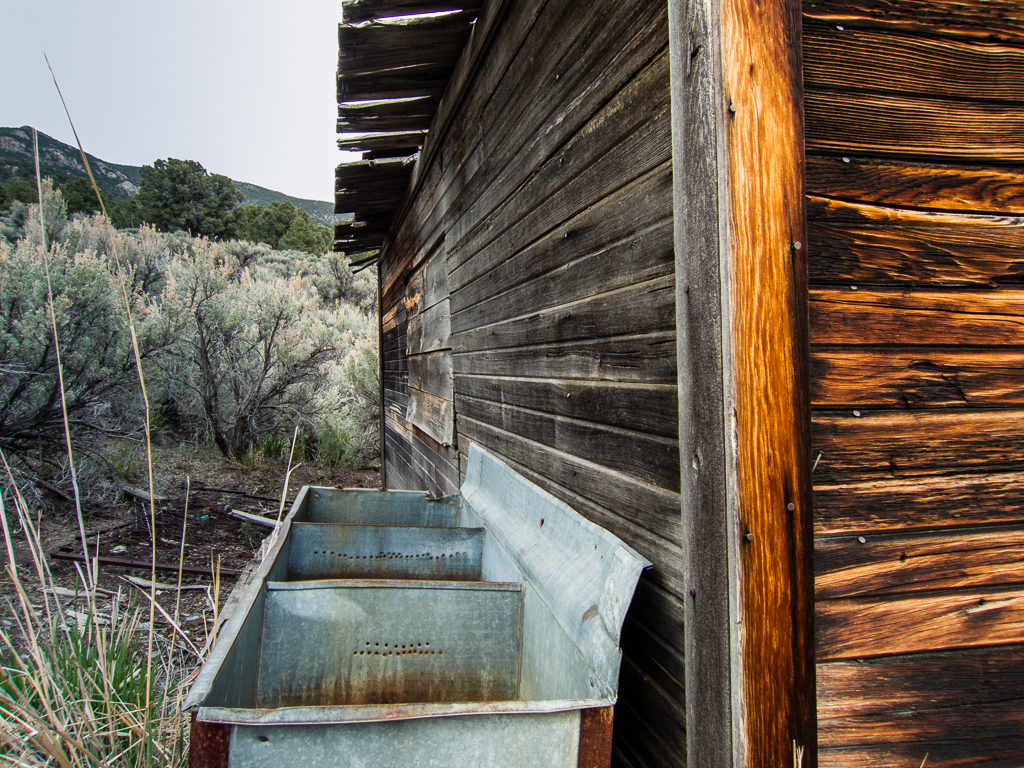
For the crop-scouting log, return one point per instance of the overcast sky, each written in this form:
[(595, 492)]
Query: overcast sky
[(245, 88)]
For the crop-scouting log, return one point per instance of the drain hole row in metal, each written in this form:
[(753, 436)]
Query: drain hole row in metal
[(394, 649), (389, 555)]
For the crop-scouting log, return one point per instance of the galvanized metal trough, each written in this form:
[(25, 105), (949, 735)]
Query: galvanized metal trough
[(385, 628)]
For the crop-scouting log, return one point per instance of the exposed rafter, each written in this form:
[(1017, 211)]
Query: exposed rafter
[(395, 60)]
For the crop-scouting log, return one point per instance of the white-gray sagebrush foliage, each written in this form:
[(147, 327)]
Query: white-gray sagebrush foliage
[(239, 342)]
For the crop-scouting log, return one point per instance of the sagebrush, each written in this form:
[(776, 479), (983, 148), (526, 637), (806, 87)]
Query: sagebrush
[(240, 343)]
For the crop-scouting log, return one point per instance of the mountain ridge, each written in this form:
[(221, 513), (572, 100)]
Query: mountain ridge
[(63, 163)]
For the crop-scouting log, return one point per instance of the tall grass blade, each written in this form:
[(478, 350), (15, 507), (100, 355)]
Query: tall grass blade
[(56, 349)]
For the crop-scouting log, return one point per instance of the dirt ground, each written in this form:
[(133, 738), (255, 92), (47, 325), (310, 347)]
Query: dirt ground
[(121, 532)]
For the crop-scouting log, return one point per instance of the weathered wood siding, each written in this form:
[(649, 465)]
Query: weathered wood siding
[(545, 190), (915, 138)]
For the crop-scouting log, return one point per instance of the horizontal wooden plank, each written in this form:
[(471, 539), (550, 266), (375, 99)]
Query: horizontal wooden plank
[(989, 20), (626, 216), (914, 185), (433, 415), (895, 444), (883, 686), (430, 330), (644, 504), (644, 256), (483, 64), (649, 636), (356, 11), (427, 285), (432, 373), (884, 62), (902, 126), (372, 175), (390, 320), (395, 143), (960, 707), (949, 752), (644, 407), (628, 138), (638, 358), (900, 504), (386, 46), (987, 734), (643, 308), (888, 564), (504, 137), (901, 377), (931, 256), (916, 317), (444, 457), (655, 720), (647, 458), (867, 627), (414, 107)]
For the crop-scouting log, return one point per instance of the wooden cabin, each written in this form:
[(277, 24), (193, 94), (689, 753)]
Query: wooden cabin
[(739, 282)]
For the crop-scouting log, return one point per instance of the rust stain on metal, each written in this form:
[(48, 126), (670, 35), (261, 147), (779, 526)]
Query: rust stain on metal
[(208, 744), (596, 737)]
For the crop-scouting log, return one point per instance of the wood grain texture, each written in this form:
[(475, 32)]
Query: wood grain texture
[(404, 115), (949, 753), (642, 407), (561, 130), (883, 686), (901, 444), (884, 503), (889, 564), (867, 627), (432, 373), (884, 62), (636, 358), (433, 415), (768, 356), (430, 330), (917, 317), (502, 136), (647, 458), (356, 11), (996, 191), (921, 377), (383, 47), (655, 740), (646, 255), (428, 285), (631, 219), (714, 702), (626, 139), (927, 256), (645, 307), (990, 20), (904, 126)]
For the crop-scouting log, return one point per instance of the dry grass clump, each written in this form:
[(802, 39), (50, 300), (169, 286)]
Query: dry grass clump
[(75, 685)]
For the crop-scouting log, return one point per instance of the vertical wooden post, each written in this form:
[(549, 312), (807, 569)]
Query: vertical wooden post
[(380, 372), (743, 380)]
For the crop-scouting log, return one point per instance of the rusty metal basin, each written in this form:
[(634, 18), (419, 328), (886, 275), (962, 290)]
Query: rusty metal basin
[(391, 629)]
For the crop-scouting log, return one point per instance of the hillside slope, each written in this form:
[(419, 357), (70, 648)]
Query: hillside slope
[(62, 162)]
